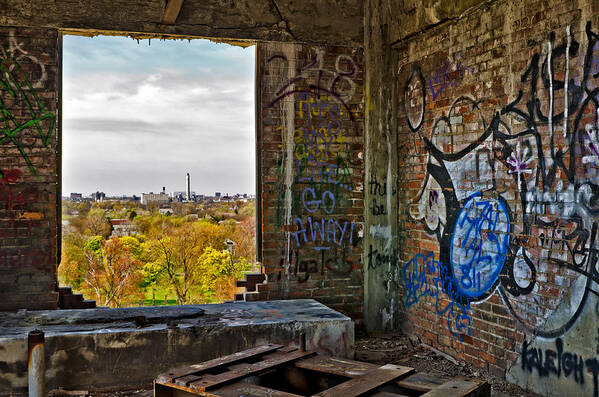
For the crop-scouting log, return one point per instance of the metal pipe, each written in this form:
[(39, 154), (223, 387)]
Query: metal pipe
[(302, 341), (36, 366)]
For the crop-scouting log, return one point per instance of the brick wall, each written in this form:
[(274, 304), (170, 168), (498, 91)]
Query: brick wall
[(311, 140), (29, 76), (501, 216)]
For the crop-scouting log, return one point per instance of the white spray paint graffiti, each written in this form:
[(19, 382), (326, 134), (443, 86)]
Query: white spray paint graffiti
[(16, 52)]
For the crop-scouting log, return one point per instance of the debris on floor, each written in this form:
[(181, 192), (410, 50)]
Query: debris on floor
[(275, 370), (399, 349)]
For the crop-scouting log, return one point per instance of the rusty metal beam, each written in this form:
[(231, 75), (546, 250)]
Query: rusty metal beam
[(171, 12), (36, 368)]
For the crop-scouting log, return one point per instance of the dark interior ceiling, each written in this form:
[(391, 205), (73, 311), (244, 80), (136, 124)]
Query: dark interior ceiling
[(338, 22)]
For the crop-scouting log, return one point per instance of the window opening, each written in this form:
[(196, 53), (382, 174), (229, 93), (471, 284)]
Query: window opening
[(158, 170)]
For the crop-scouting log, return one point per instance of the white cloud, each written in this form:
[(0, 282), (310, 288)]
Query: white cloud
[(126, 132)]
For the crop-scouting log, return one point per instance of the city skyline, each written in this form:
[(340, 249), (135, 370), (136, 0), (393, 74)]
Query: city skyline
[(138, 116), (167, 189), (168, 192)]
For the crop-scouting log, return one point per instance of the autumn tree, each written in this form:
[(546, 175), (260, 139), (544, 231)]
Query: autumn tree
[(96, 223), (218, 273), (112, 273), (153, 274), (244, 237), (169, 254), (84, 208), (178, 250), (70, 271)]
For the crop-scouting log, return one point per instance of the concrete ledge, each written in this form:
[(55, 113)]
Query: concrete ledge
[(19, 321), (108, 349)]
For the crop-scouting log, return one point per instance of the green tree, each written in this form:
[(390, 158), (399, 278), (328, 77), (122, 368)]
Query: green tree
[(178, 252), (218, 273), (83, 208), (70, 271)]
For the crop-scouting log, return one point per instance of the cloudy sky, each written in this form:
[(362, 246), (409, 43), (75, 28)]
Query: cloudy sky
[(137, 117)]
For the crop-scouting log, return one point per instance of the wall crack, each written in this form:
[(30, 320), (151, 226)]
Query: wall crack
[(287, 29)]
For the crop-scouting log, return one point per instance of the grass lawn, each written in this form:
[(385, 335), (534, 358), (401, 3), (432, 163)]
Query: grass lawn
[(160, 294)]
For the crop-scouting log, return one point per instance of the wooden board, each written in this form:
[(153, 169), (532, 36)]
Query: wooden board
[(209, 382), (336, 366), (169, 377), (421, 382), (250, 372), (246, 389), (461, 386), (367, 382)]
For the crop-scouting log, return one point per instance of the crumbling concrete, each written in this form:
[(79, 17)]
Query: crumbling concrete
[(99, 349)]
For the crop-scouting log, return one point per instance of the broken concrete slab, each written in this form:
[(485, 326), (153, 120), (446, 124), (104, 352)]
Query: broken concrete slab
[(100, 315), (117, 353)]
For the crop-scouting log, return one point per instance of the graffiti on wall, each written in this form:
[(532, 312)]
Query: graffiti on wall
[(23, 117), (426, 277), (448, 75), (518, 201), (315, 163)]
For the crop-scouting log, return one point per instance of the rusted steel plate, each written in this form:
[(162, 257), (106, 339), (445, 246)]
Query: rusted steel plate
[(367, 382), (169, 377), (421, 382), (245, 389), (205, 383), (461, 386), (336, 366)]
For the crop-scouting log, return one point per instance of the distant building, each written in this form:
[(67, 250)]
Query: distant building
[(76, 196), (217, 194), (122, 227), (165, 211), (98, 196), (181, 196), (160, 198), (124, 197)]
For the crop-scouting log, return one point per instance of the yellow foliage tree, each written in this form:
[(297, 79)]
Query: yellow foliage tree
[(112, 273), (217, 274)]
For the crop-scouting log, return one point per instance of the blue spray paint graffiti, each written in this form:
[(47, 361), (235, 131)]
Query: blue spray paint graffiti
[(447, 76), (424, 276), (479, 244), (315, 176)]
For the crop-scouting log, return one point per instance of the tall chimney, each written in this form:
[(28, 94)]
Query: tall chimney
[(188, 188)]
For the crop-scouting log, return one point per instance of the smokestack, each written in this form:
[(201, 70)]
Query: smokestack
[(188, 188)]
